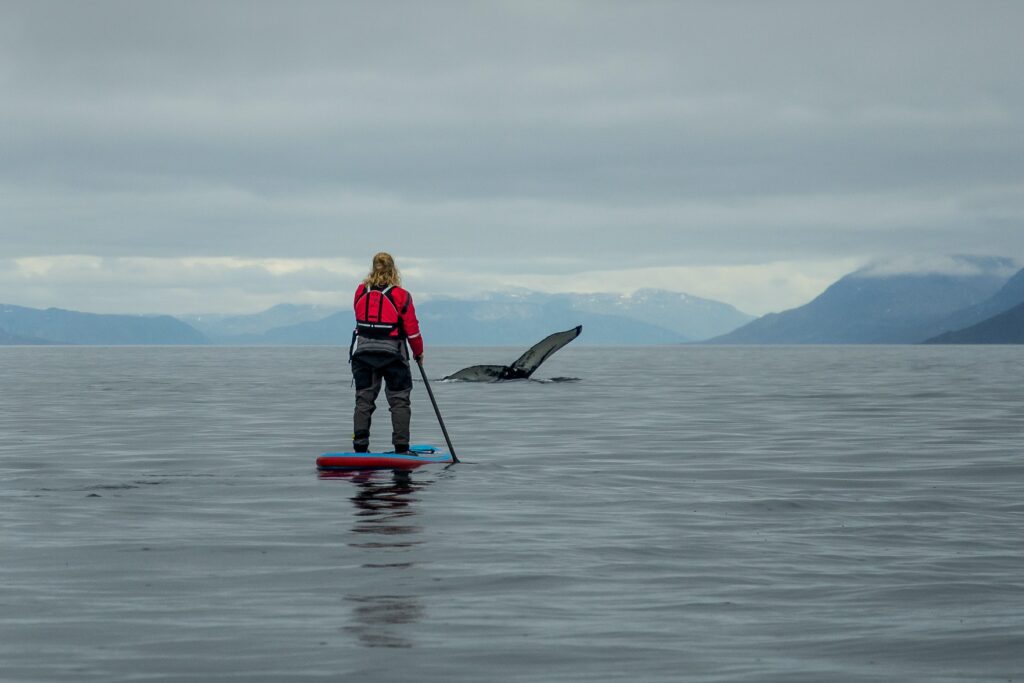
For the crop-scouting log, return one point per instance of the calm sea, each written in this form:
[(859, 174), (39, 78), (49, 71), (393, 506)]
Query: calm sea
[(704, 514)]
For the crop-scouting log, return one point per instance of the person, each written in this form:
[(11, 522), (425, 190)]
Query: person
[(385, 320)]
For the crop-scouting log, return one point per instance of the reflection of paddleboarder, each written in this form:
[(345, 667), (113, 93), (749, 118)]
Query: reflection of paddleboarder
[(386, 530), (385, 319), (384, 507)]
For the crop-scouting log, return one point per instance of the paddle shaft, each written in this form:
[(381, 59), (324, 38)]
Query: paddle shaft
[(437, 411)]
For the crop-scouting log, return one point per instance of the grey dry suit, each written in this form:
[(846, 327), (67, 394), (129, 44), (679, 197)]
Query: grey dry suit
[(374, 361)]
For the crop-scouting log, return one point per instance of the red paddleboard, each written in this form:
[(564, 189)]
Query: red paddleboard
[(417, 456)]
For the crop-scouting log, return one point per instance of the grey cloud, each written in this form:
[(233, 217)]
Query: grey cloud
[(220, 222), (612, 134)]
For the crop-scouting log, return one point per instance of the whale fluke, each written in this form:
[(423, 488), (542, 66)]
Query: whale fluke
[(524, 366)]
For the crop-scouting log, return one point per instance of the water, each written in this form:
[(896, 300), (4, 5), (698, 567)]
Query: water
[(705, 514)]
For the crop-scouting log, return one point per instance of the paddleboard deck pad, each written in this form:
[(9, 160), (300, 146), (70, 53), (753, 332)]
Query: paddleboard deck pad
[(418, 455)]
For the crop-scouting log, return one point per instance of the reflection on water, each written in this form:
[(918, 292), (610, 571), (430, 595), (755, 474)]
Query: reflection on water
[(377, 618), (384, 508), (384, 515)]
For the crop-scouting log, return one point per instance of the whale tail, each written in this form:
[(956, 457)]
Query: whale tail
[(528, 363), (525, 365)]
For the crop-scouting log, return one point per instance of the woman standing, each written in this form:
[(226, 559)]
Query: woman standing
[(385, 319)]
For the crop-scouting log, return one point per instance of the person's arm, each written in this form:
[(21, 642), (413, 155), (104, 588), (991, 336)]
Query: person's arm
[(412, 328)]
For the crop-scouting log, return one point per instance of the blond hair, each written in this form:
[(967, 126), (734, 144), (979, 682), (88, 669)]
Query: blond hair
[(383, 273)]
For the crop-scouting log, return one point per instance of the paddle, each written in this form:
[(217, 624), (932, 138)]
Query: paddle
[(437, 411)]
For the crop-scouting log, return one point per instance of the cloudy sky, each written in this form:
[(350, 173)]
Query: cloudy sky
[(226, 156)]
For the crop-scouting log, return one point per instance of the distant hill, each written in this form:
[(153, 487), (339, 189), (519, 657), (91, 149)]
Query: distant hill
[(55, 325), (511, 318), (1005, 328), (523, 317), (8, 339), (1011, 294), (460, 323), (229, 328), (690, 316), (874, 306)]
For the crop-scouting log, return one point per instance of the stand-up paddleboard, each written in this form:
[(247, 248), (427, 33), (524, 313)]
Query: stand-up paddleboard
[(418, 455)]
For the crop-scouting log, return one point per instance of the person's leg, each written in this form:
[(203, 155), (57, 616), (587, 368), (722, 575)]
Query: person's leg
[(398, 387), (367, 380)]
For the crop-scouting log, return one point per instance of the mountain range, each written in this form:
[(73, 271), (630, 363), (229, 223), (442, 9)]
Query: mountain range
[(503, 318), (21, 325), (508, 318), (1010, 296), (1005, 328), (241, 327), (967, 300), (876, 306)]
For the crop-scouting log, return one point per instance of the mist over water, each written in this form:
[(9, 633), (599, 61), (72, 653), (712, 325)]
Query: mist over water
[(678, 513)]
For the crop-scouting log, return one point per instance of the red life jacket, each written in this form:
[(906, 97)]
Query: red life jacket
[(377, 315)]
